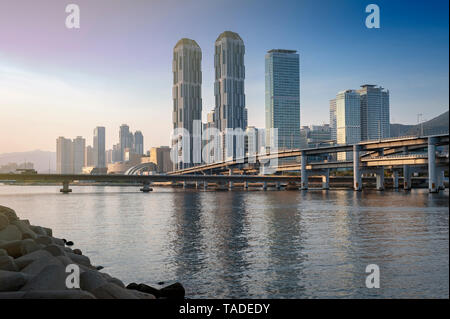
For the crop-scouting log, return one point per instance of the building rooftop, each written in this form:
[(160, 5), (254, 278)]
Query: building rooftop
[(282, 51), (229, 34), (186, 41)]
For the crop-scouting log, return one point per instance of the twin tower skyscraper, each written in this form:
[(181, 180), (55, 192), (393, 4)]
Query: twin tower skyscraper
[(229, 110)]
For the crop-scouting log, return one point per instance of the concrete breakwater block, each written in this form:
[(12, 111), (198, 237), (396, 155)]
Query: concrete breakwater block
[(8, 212), (12, 280), (33, 265), (10, 232), (8, 263)]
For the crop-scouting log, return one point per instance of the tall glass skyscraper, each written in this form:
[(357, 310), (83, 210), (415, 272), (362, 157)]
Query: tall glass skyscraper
[(375, 122), (283, 98), (348, 120)]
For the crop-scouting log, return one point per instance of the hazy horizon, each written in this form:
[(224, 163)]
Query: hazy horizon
[(117, 68)]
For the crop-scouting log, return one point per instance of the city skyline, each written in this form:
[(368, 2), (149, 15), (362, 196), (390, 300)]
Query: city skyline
[(71, 81)]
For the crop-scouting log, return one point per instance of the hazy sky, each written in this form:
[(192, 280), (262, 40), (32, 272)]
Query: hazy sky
[(116, 68)]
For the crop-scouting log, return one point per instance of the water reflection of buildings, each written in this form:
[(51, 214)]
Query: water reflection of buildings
[(187, 244), (285, 241), (230, 243)]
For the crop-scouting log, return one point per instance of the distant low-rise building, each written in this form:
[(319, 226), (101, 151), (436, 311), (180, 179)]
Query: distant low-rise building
[(161, 157)]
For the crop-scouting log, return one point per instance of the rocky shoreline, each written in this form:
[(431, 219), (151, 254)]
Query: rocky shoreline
[(36, 265)]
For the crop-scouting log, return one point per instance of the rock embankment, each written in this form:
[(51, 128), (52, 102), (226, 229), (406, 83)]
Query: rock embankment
[(34, 265)]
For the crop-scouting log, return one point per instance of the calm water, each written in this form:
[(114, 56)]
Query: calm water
[(275, 244)]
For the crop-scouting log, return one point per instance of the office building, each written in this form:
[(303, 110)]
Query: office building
[(161, 157), (89, 156), (348, 120), (282, 98), (375, 118)]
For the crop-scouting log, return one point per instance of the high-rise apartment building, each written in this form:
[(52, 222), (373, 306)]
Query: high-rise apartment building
[(230, 111), (79, 148), (89, 156), (348, 120), (99, 147), (375, 117), (187, 99), (282, 98), (138, 143), (125, 140), (64, 156)]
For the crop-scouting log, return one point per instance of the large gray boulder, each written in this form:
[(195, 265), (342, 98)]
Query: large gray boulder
[(12, 280), (10, 232)]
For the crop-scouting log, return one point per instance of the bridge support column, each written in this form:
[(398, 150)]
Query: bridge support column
[(380, 179), (246, 184), (406, 173), (326, 180), (441, 178), (278, 185), (265, 186), (146, 188), (357, 179), (184, 184), (432, 183), (65, 189), (304, 173), (231, 184), (395, 179), (205, 185)]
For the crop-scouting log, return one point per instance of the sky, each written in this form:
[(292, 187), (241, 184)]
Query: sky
[(117, 67)]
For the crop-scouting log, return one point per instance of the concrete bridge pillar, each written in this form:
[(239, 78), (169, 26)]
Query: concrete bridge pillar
[(326, 180), (230, 184), (432, 182), (395, 179), (246, 184), (265, 186), (184, 184), (146, 187), (65, 189), (406, 173), (304, 173), (441, 178), (205, 185), (357, 179), (278, 185), (380, 179)]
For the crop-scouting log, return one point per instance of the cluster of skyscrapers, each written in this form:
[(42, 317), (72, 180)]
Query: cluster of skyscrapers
[(74, 157), (359, 115), (355, 115), (282, 107)]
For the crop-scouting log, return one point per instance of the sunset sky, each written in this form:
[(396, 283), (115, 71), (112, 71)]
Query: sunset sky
[(116, 68)]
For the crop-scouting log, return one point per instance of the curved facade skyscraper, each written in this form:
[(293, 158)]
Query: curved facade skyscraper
[(229, 81), (229, 111), (187, 97)]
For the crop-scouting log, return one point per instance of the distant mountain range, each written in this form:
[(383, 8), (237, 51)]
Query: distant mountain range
[(42, 160), (437, 125)]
